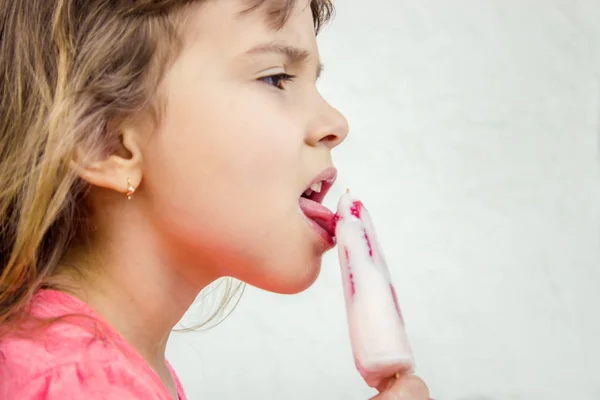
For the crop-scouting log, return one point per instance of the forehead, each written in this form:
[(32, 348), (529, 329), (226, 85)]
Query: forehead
[(272, 15), (274, 12), (235, 26)]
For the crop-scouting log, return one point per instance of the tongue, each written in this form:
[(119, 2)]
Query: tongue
[(318, 213)]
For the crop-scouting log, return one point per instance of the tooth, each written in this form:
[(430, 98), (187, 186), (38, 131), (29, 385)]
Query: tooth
[(308, 192), (317, 187)]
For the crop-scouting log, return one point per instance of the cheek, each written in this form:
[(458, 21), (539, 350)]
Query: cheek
[(239, 135), (223, 186), (222, 161)]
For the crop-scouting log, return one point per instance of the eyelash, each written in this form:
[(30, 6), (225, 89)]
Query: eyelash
[(281, 78)]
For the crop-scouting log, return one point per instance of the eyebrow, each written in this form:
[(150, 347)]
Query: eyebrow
[(295, 55)]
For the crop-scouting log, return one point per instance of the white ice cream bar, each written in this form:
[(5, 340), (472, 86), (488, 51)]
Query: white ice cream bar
[(379, 341)]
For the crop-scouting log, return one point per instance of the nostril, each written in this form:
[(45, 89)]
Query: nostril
[(331, 139)]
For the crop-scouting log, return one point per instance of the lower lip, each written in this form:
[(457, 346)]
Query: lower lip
[(322, 233)]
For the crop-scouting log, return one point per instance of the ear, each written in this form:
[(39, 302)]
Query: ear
[(115, 169)]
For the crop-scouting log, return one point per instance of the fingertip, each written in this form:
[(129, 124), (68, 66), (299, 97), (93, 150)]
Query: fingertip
[(413, 386)]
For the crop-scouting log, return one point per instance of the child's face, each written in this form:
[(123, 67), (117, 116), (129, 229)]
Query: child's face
[(233, 154)]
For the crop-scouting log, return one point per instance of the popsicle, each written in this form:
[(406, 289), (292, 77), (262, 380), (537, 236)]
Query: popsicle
[(379, 341)]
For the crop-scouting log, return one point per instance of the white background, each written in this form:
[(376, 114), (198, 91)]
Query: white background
[(474, 144)]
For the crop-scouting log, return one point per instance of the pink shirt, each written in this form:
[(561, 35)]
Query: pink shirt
[(76, 359)]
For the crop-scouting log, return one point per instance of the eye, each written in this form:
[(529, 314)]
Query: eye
[(278, 80)]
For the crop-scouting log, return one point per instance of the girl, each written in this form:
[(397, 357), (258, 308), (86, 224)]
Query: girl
[(149, 148)]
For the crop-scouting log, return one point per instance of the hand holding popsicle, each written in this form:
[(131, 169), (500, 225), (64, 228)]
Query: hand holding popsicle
[(408, 387), (379, 341)]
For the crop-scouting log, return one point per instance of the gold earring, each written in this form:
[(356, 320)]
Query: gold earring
[(130, 190)]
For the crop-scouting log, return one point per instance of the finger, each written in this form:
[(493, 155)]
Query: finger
[(409, 387), (386, 384)]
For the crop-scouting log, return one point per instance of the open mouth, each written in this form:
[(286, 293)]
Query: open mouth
[(317, 191), (311, 204)]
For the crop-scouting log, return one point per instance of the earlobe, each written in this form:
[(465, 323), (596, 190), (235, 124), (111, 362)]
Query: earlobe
[(120, 171)]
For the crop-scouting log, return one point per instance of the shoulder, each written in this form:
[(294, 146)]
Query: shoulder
[(68, 362), (76, 381)]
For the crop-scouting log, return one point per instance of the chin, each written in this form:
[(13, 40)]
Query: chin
[(288, 278)]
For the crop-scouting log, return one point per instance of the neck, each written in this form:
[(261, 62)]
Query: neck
[(136, 288), (142, 304)]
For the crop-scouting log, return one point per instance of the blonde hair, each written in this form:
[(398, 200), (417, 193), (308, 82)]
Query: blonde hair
[(68, 68)]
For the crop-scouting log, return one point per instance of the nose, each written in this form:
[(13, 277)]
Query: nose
[(329, 127)]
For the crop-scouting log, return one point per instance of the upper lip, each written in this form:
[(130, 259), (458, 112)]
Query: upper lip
[(328, 177)]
